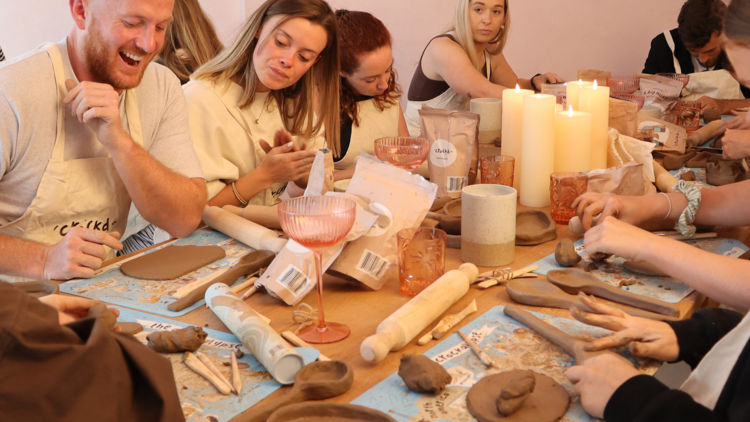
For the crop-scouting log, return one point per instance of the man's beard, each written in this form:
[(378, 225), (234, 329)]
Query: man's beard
[(101, 63)]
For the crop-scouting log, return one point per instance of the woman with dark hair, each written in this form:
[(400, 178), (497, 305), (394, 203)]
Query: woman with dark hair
[(714, 342), (369, 93)]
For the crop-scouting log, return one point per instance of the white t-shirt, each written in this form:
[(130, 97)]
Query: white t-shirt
[(28, 115), (698, 67)]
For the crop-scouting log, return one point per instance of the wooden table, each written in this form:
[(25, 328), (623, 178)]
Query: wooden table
[(362, 310)]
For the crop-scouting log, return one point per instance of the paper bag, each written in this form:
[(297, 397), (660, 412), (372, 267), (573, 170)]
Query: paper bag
[(591, 75), (663, 93), (623, 116), (626, 179), (667, 136)]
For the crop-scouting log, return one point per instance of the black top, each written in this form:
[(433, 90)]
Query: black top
[(346, 128), (644, 399), (661, 60), (2, 56)]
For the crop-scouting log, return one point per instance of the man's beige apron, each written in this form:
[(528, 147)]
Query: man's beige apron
[(86, 192), (373, 124), (717, 84), (707, 382), (448, 100)]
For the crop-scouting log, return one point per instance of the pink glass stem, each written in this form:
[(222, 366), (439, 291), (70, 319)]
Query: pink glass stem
[(319, 271)]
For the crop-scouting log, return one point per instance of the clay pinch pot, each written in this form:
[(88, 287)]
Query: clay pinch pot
[(453, 208), (328, 412), (316, 381), (534, 227)]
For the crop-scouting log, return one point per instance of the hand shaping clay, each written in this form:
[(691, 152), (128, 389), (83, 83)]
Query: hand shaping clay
[(515, 394), (129, 327), (100, 310), (547, 403), (642, 267), (172, 262), (673, 162), (534, 227), (565, 253), (185, 339), (688, 176), (423, 375), (711, 114)]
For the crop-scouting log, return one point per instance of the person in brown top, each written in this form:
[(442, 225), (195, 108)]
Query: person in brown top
[(449, 75), (57, 366)]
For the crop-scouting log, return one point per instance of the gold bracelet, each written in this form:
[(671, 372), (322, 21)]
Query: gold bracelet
[(237, 194)]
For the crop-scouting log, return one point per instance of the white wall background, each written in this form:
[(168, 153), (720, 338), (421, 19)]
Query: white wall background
[(547, 35)]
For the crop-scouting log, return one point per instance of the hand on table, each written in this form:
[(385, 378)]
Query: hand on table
[(625, 208), (644, 337), (739, 123), (78, 254), (71, 308), (597, 379), (97, 105), (736, 144), (547, 78)]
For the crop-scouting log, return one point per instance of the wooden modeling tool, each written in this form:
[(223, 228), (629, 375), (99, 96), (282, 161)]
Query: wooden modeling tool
[(484, 357), (678, 236), (248, 264), (543, 293), (493, 278), (247, 232), (211, 367), (196, 365), (292, 338), (260, 214), (574, 280), (447, 323), (414, 316), (316, 381), (236, 378), (245, 284), (571, 345)]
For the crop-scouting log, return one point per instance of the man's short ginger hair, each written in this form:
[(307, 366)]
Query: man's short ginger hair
[(699, 20)]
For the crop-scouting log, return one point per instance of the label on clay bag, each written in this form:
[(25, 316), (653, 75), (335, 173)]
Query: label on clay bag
[(293, 279), (456, 184), (372, 264), (442, 153)]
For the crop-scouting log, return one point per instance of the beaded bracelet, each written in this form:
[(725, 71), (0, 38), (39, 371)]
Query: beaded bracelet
[(237, 194), (693, 193)]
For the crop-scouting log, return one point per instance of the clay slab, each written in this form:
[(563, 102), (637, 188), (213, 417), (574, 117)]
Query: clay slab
[(172, 262)]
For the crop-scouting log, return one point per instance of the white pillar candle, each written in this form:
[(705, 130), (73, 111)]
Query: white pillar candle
[(572, 141), (595, 100), (538, 149), (513, 127), (572, 94)]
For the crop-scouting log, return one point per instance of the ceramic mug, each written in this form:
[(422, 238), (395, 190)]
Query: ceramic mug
[(490, 111), (488, 225)]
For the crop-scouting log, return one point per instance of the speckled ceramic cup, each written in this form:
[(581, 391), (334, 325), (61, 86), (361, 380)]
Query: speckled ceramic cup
[(490, 111), (488, 225)]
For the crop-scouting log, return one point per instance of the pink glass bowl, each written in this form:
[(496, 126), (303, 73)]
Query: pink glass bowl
[(404, 152), (678, 77), (317, 222), (638, 99), (623, 84)]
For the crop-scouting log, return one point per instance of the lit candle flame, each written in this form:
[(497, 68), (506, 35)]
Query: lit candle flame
[(580, 82), (518, 88), (595, 85), (539, 95), (570, 110)]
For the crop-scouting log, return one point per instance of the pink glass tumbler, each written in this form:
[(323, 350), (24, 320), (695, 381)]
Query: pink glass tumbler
[(318, 222)]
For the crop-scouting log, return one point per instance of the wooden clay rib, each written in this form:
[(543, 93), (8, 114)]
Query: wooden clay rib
[(211, 367), (248, 264), (196, 365), (574, 281)]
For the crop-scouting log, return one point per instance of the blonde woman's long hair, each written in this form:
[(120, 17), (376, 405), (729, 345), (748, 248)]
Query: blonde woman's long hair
[(297, 102), (190, 40), (461, 29)]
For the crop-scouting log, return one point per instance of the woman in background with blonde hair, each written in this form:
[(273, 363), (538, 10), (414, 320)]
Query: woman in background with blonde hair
[(266, 86), (467, 62), (190, 40)]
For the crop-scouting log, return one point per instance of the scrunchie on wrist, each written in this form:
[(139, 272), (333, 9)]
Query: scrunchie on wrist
[(685, 222)]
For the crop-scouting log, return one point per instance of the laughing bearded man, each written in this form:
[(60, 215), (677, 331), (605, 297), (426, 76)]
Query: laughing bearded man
[(88, 125)]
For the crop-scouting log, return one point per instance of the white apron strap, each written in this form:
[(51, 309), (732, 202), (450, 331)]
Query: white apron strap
[(58, 153), (670, 42)]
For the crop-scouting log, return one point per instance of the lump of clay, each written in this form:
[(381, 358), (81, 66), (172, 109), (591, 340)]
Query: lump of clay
[(565, 253), (106, 316), (722, 173), (534, 227), (699, 161), (688, 176), (423, 375), (710, 115), (515, 394), (131, 328), (673, 162), (186, 339), (600, 256)]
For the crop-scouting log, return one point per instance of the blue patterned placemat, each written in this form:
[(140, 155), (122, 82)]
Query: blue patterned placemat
[(667, 289), (511, 344), (112, 286), (199, 399)]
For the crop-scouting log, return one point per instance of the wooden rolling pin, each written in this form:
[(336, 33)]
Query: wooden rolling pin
[(664, 181), (403, 325), (700, 136), (265, 216), (247, 232)]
